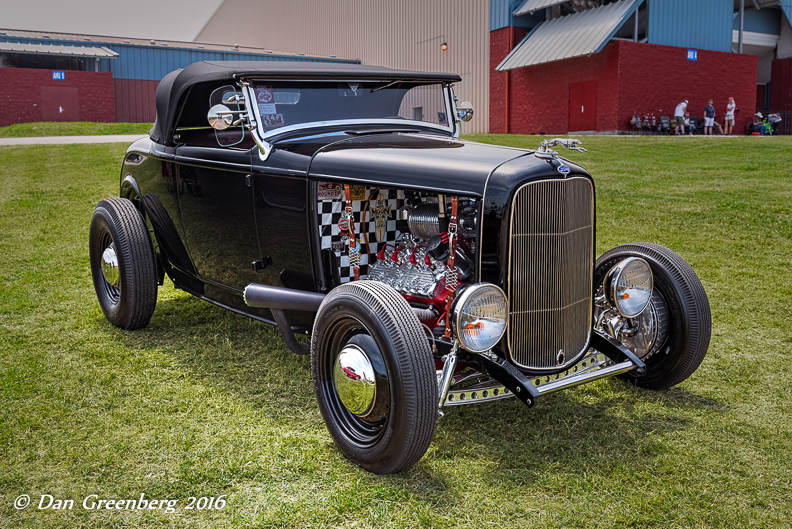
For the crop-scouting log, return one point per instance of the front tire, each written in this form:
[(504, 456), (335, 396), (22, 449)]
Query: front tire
[(680, 302), (122, 263), (390, 424)]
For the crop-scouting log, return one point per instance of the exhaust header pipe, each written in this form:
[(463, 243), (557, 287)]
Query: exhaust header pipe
[(268, 297)]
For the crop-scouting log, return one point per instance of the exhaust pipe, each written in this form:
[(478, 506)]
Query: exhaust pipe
[(268, 297)]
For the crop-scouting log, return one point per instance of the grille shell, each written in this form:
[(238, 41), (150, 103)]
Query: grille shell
[(551, 261)]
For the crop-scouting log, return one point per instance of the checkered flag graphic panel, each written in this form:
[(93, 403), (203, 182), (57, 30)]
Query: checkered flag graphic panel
[(380, 224)]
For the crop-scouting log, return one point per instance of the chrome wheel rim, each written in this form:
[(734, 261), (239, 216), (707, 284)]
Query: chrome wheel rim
[(347, 336)]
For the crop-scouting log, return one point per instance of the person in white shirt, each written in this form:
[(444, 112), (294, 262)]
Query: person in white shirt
[(729, 121), (688, 128), (679, 115)]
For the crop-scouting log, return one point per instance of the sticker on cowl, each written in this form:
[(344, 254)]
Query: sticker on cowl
[(329, 191)]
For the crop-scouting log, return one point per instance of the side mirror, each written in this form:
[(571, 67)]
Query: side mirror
[(220, 117), (465, 111)]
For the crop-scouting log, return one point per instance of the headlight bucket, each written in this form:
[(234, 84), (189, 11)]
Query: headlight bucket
[(628, 286), (479, 315)]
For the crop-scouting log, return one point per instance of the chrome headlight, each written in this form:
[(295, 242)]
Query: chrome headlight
[(628, 286), (479, 317)]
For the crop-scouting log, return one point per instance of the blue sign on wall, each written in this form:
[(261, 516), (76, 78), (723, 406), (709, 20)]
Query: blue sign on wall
[(692, 55), (58, 76)]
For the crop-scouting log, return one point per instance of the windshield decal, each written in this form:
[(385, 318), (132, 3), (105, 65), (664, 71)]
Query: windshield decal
[(264, 94)]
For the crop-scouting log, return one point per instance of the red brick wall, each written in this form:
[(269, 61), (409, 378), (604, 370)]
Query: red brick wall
[(134, 100), (502, 41), (655, 78), (631, 77), (781, 85), (542, 101), (20, 94)]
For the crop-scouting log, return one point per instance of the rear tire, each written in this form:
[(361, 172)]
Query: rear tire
[(397, 431), (685, 337), (128, 298)]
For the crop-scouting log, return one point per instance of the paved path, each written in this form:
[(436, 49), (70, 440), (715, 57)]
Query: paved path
[(54, 140)]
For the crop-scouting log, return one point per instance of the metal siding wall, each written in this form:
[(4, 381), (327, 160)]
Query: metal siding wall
[(152, 63), (786, 7), (394, 33), (767, 21), (501, 15), (702, 24)]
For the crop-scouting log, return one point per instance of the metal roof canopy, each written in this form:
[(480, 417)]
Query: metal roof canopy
[(576, 35), (64, 51), (530, 6)]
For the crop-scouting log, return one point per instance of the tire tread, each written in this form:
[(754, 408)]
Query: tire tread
[(415, 361), (693, 296), (139, 287)]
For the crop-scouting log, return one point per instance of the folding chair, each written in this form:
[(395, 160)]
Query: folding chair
[(665, 124)]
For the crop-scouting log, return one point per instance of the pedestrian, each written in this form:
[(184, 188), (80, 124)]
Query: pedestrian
[(729, 121), (774, 120), (688, 128), (757, 125), (709, 118), (679, 115)]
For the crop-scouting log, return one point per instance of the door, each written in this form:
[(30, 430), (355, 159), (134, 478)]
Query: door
[(60, 103), (217, 212), (583, 106)]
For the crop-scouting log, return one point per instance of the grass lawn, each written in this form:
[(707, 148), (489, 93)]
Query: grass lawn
[(76, 128), (206, 403)]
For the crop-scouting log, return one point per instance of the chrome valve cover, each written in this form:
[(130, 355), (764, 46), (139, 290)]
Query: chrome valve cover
[(409, 279)]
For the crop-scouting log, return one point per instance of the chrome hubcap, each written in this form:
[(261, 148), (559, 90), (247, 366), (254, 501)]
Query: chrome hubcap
[(354, 380), (110, 266)]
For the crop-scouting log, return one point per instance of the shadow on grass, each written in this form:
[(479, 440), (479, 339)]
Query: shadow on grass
[(601, 427)]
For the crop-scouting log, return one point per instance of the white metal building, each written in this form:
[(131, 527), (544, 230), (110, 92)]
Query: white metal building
[(428, 35)]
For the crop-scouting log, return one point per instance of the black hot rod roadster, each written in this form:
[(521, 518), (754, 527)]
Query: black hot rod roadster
[(338, 201)]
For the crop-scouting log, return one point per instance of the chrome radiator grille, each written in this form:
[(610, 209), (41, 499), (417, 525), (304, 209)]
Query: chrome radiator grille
[(551, 258)]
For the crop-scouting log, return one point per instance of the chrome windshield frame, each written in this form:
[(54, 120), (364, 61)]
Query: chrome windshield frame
[(264, 139)]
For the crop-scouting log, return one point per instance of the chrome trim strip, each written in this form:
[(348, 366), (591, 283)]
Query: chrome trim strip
[(548, 270), (264, 139), (344, 122), (523, 152), (616, 369)]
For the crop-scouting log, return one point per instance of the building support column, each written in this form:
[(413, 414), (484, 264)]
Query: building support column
[(742, 21)]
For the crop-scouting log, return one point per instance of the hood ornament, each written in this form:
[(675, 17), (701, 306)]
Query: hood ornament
[(545, 152)]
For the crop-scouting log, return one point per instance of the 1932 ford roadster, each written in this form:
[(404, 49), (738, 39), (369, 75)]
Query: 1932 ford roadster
[(338, 201)]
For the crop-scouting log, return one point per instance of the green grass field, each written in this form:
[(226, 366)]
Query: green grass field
[(204, 403), (77, 128)]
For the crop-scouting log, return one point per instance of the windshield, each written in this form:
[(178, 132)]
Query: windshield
[(285, 103)]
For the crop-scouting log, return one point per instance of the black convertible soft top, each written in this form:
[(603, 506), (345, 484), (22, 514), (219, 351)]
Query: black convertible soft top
[(174, 85)]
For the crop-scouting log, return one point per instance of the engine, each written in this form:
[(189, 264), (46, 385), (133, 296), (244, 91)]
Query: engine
[(416, 264)]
